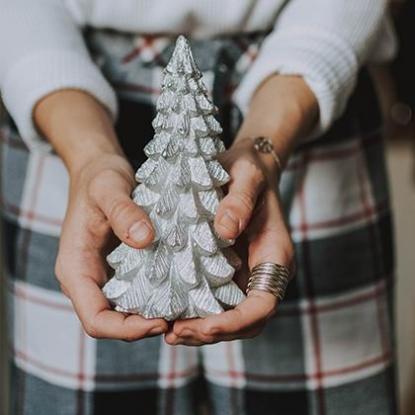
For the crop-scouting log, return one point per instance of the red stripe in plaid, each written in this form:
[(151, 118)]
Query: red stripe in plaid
[(380, 208), (19, 212), (5, 137), (103, 377), (328, 153), (129, 377), (81, 374), (169, 405), (230, 361), (22, 293), (153, 45), (146, 42), (233, 393), (324, 154), (376, 291), (301, 377), (249, 50)]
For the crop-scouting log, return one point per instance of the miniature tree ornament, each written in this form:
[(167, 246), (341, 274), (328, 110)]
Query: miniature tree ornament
[(187, 271)]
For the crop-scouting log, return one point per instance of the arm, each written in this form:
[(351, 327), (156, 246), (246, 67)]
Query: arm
[(255, 175), (41, 51), (45, 64), (80, 130), (323, 41)]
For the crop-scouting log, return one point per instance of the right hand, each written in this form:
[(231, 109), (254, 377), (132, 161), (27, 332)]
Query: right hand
[(100, 206)]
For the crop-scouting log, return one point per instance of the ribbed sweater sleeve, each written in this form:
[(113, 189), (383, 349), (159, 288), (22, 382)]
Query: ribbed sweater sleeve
[(325, 42), (41, 51)]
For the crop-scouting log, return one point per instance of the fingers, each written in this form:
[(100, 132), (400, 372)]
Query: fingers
[(100, 321), (245, 321), (269, 241), (268, 235), (128, 221), (235, 210)]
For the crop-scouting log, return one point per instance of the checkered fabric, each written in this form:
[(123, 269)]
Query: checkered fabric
[(329, 351)]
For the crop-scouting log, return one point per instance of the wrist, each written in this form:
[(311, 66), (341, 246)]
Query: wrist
[(269, 166), (282, 109), (78, 127), (89, 149)]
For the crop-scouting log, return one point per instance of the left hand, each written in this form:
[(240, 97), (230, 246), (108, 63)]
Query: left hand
[(251, 206)]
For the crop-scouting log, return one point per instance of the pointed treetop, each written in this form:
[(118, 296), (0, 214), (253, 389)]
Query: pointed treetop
[(182, 61)]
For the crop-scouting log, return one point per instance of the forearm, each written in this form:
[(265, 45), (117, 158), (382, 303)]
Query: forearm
[(42, 50), (283, 109), (78, 127)]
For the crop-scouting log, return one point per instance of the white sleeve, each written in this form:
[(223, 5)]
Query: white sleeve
[(325, 42), (41, 51)]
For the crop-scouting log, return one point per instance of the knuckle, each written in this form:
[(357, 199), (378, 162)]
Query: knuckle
[(179, 331), (207, 339), (244, 200), (209, 333), (119, 209)]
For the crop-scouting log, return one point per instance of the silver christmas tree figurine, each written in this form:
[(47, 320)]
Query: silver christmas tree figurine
[(187, 271)]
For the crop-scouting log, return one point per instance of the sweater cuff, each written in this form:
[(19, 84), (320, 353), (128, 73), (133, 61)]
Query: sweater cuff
[(41, 73), (328, 66)]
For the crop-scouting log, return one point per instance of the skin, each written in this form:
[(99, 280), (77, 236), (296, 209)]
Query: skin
[(100, 211)]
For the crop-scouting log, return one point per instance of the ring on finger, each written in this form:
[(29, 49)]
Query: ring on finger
[(270, 277)]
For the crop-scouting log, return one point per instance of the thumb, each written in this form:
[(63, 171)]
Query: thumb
[(235, 210), (128, 221)]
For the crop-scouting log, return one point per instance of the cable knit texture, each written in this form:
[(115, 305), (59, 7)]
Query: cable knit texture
[(324, 41)]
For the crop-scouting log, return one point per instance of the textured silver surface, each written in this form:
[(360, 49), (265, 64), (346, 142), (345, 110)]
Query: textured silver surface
[(188, 270)]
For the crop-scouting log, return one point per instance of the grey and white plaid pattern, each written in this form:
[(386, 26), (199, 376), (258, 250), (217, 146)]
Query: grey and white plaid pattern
[(328, 351)]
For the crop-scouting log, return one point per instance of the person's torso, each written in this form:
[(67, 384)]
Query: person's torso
[(198, 19)]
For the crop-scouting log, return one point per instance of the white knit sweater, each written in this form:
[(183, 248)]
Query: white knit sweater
[(325, 41)]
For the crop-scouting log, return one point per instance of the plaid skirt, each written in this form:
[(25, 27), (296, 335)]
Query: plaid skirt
[(329, 350)]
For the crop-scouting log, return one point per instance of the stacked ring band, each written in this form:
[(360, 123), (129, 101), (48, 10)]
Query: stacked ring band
[(269, 277)]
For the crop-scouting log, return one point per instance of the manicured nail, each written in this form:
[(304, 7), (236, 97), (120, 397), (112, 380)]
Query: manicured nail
[(156, 330), (229, 222), (139, 231)]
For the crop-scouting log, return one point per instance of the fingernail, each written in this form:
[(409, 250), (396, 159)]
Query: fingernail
[(229, 222), (139, 231), (156, 330)]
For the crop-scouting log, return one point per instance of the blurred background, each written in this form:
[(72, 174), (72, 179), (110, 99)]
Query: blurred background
[(396, 85)]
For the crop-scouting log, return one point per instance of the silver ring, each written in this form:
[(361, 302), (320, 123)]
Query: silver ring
[(270, 277)]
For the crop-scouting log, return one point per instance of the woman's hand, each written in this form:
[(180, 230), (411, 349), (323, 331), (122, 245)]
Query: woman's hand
[(100, 206), (252, 207), (283, 109)]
